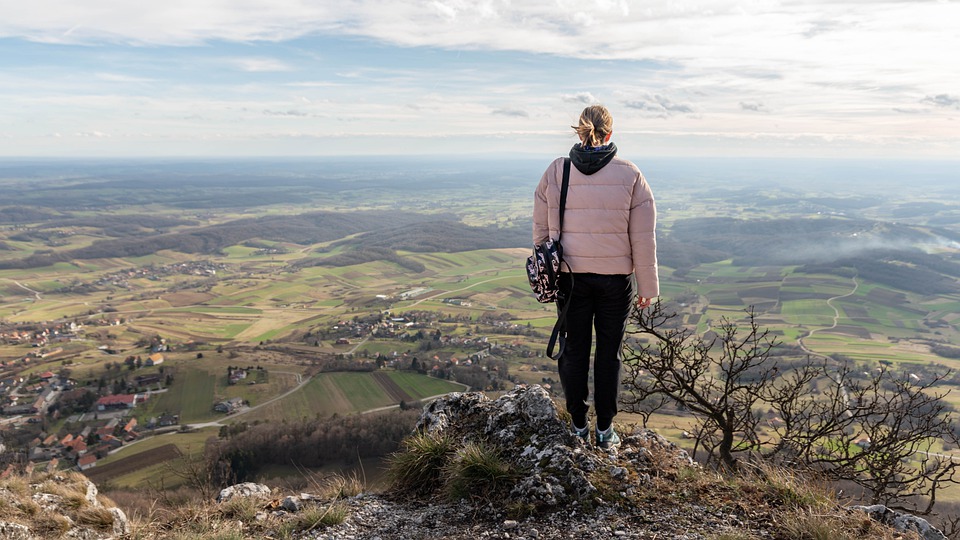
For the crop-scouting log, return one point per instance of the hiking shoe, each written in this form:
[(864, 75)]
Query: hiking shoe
[(608, 439), (584, 433)]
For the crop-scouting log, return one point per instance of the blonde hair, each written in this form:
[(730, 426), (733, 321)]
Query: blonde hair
[(596, 123)]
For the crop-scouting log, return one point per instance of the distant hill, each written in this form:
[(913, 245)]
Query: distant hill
[(439, 236), (446, 236), (302, 229), (25, 214), (890, 254)]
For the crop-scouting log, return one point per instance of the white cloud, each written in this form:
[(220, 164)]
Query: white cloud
[(256, 65), (753, 106), (943, 100), (584, 98), (121, 78), (658, 106), (511, 112)]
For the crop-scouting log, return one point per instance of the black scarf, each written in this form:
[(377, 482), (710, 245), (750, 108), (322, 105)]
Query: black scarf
[(589, 160)]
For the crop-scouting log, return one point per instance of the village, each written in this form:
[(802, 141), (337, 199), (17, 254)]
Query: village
[(103, 424), (97, 418)]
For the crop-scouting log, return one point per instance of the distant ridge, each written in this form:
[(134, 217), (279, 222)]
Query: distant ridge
[(304, 229)]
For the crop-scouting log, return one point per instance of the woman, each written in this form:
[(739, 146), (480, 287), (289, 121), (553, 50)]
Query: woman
[(608, 241)]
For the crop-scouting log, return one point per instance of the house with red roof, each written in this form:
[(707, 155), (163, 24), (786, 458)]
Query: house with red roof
[(87, 461), (117, 401)]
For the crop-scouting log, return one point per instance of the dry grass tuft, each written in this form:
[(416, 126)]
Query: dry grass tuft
[(418, 466), (97, 517), (50, 524), (316, 516), (336, 486), (806, 524), (240, 508), (477, 471), (785, 487)]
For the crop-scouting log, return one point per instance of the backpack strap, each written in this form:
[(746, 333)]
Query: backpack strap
[(564, 185), (558, 335)]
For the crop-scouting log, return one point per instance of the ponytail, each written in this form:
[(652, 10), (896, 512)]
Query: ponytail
[(595, 124)]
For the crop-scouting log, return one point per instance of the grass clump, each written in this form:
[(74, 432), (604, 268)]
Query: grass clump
[(789, 489), (240, 508), (477, 471), (50, 524), (806, 524), (311, 518), (322, 516), (418, 466), (97, 517), (337, 486)]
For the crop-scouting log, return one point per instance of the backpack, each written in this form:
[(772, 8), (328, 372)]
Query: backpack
[(543, 271)]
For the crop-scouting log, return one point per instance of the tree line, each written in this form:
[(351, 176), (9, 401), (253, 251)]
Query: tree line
[(306, 228), (243, 449)]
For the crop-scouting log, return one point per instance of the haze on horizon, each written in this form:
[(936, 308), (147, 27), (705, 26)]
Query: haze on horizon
[(793, 78)]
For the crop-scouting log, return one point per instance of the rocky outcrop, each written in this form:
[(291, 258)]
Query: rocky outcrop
[(559, 487), (525, 430), (60, 504)]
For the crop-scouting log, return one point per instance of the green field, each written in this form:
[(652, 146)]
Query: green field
[(420, 387), (338, 393), (192, 395)]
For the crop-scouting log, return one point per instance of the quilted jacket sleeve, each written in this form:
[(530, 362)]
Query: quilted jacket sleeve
[(542, 207), (643, 239)]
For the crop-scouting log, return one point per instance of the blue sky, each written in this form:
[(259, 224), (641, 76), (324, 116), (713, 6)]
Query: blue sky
[(810, 78)]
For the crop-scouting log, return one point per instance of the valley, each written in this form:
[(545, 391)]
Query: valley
[(352, 286)]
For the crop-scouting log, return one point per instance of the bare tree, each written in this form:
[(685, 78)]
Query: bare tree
[(885, 433), (719, 380), (870, 427)]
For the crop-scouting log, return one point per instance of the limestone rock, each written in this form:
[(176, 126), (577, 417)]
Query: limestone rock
[(14, 531), (902, 522), (246, 489), (526, 431)]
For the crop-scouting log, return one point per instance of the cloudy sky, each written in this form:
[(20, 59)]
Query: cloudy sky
[(807, 78)]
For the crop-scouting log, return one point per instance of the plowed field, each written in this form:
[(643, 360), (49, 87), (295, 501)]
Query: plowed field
[(391, 387), (101, 474)]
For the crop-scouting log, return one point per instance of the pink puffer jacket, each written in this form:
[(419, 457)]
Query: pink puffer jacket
[(609, 226)]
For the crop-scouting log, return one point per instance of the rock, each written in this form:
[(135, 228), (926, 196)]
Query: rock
[(246, 489), (121, 526), (291, 504), (901, 521), (14, 531)]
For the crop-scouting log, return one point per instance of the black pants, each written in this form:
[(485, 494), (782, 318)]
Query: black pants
[(601, 302)]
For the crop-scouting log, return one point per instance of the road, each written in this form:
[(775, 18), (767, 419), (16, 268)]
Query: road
[(836, 320), (24, 287), (301, 382), (443, 293)]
